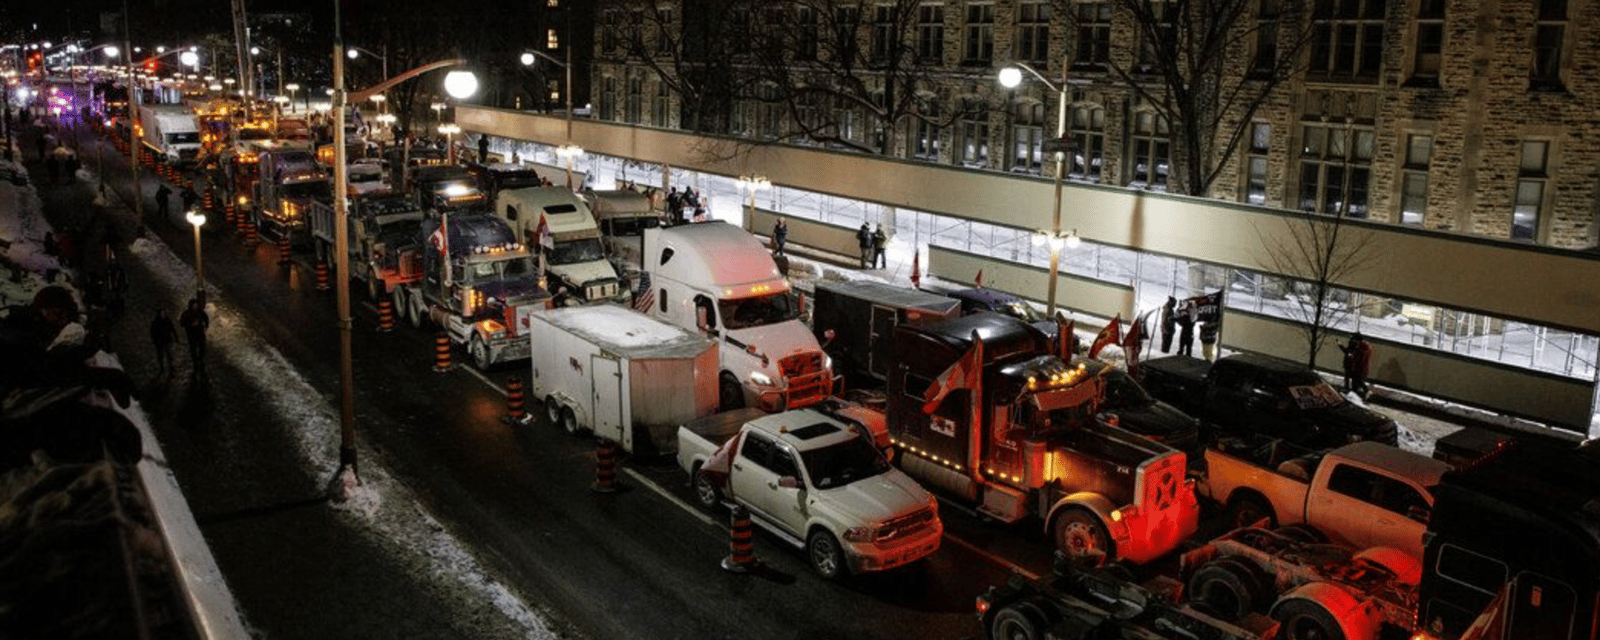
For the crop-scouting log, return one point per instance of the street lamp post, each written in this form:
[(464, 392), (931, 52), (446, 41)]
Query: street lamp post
[(197, 220), (569, 152), (293, 88), (1010, 77), (528, 58), (450, 129), (753, 184)]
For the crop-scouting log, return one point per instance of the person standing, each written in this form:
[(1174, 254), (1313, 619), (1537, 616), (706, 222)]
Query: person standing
[(780, 235), (1186, 329), (195, 322), (1208, 340), (1169, 323), (1357, 360), (163, 196), (189, 198), (880, 243), (162, 336), (483, 149), (864, 243)]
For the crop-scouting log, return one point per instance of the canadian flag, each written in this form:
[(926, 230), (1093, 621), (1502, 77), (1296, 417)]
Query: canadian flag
[(978, 281), (1132, 342), (1064, 336), (964, 374), (916, 269), (720, 464), (543, 233), (1107, 336)]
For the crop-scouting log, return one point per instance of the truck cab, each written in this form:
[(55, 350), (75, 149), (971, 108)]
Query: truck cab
[(170, 131), (623, 215), (572, 251), (718, 279), (478, 283), (290, 180)]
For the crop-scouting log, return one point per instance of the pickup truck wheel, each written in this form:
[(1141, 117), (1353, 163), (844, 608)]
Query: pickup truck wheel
[(705, 491), (569, 421), (730, 393), (1082, 538), (1306, 620), (1245, 510), (826, 556), (1227, 588), (480, 353), (1016, 623)]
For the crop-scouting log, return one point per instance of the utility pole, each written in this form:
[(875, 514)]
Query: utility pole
[(341, 262), (133, 118), (241, 39)]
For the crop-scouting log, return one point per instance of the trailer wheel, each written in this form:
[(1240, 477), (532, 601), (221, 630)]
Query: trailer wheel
[(705, 491), (569, 421), (1016, 623), (552, 410), (1228, 588), (1247, 509), (414, 312), (480, 353), (729, 392), (826, 556), (1306, 620), (1082, 538)]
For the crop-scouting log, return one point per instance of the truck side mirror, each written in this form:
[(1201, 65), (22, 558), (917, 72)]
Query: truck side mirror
[(789, 482)]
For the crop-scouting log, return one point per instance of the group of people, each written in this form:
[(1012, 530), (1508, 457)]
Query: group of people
[(164, 199), (682, 204), (872, 244), (1185, 321), (163, 336)]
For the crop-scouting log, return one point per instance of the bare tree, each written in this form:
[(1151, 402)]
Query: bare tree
[(692, 51), (1207, 67), (1318, 252)]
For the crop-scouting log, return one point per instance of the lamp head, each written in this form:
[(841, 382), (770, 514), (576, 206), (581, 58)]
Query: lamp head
[(112, 51), (1010, 77), (460, 84), (195, 218), (527, 59), (351, 53)]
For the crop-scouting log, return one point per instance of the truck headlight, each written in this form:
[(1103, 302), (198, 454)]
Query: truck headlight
[(760, 378), (860, 534)]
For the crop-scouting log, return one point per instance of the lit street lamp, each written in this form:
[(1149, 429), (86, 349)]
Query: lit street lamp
[(530, 57), (1010, 77), (198, 220), (450, 129), (569, 152), (753, 184), (293, 89)]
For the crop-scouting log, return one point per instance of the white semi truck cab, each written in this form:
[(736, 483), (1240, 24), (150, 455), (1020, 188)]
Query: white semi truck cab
[(573, 256)]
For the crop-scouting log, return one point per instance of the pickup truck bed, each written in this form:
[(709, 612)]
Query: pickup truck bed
[(714, 430)]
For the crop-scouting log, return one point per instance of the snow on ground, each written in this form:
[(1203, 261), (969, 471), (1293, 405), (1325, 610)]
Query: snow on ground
[(381, 503), (24, 229)]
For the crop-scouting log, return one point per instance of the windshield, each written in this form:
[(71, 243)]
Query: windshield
[(254, 134), (741, 313), (365, 175), (843, 463), (487, 270), (1122, 391), (575, 251), (187, 137), (1318, 395), (314, 189), (1021, 310)]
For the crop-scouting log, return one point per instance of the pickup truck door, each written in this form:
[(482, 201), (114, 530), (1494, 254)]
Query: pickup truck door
[(1366, 508), (754, 478)]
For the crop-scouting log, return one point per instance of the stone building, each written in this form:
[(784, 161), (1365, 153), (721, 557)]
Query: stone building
[(1448, 115)]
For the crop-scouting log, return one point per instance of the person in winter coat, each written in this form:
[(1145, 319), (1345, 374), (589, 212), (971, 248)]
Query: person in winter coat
[(195, 322), (880, 243), (1186, 321), (1208, 340), (163, 196), (1169, 323), (864, 242), (189, 198), (163, 336), (780, 235), (1357, 361)]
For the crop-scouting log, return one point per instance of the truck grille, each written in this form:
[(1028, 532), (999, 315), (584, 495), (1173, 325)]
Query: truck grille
[(601, 289), (806, 380), (800, 364), (905, 526)]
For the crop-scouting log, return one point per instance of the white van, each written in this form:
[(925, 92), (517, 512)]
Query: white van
[(717, 278), (575, 260)]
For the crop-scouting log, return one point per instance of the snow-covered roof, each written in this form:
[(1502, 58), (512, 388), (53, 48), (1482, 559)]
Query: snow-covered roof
[(626, 332)]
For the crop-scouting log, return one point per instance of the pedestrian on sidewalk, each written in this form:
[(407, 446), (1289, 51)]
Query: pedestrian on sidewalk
[(1186, 322), (163, 336), (163, 196), (189, 198), (1357, 361), (780, 235), (1169, 323), (195, 321), (864, 242), (880, 243), (1208, 340)]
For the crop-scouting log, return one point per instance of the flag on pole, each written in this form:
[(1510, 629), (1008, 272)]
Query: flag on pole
[(720, 464), (978, 281), (916, 269), (1135, 339), (1064, 336), (644, 295), (964, 374), (543, 233), (1107, 336)]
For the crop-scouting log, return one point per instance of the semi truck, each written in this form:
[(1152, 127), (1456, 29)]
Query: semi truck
[(621, 375), (855, 320), (171, 132), (623, 215), (478, 284), (289, 182), (982, 407), (382, 238), (557, 225), (716, 278)]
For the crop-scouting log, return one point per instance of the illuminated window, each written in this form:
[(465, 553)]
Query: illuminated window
[(973, 129), (1335, 167), (1033, 32), (1532, 175), (925, 130), (552, 39), (1414, 186), (980, 33), (1027, 137), (1088, 136), (1152, 151), (1255, 188)]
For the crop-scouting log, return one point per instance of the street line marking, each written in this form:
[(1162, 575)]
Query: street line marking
[(663, 492), (992, 557), (474, 371)]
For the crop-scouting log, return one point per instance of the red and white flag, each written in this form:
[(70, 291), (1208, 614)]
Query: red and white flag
[(916, 269), (978, 281), (543, 233), (964, 374), (1108, 336), (1134, 340), (720, 464)]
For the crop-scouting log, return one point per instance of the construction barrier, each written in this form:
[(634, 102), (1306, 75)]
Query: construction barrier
[(741, 541), (441, 353), (385, 315), (210, 200), (514, 411), (227, 216), (322, 275), (283, 249), (250, 237), (605, 468)]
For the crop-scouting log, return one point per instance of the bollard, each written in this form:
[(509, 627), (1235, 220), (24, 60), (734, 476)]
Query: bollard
[(741, 542), (514, 412), (385, 315), (605, 468), (283, 249), (322, 275), (441, 353)]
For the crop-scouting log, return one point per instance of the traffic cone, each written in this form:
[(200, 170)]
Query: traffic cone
[(250, 237), (605, 468), (210, 199), (741, 542), (441, 353), (322, 275), (514, 412), (283, 249), (227, 215), (385, 315)]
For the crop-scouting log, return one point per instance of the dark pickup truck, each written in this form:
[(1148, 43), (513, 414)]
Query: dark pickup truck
[(1262, 395)]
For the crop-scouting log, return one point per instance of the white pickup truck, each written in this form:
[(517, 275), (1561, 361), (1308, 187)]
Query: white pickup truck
[(1366, 494), (815, 480)]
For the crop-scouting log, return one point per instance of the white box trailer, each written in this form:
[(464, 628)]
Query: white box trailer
[(623, 375)]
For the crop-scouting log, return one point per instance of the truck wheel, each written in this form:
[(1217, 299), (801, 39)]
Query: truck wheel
[(480, 353), (1306, 620), (1016, 623), (730, 393), (552, 410), (826, 556), (1245, 510), (1082, 538), (569, 421), (705, 491), (413, 312), (1228, 588)]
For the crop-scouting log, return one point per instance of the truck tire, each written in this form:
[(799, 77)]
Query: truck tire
[(826, 556), (1017, 622), (414, 312), (552, 410), (1082, 538), (706, 493), (569, 421), (730, 394), (1246, 509), (1228, 588), (479, 352), (1306, 620)]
